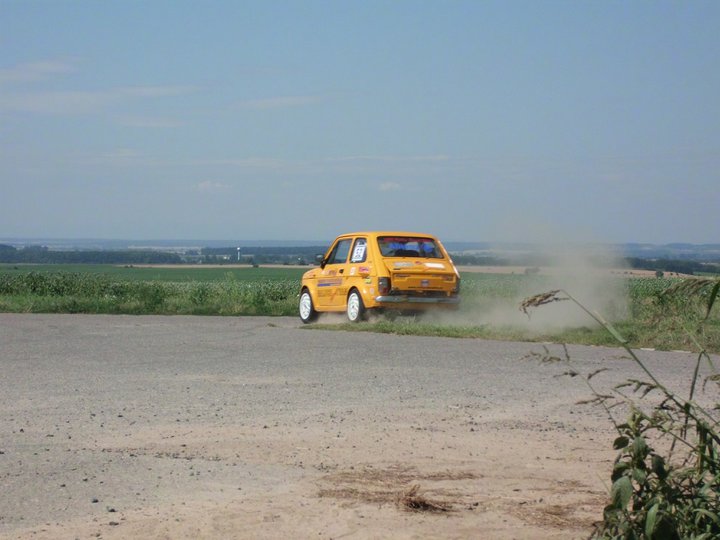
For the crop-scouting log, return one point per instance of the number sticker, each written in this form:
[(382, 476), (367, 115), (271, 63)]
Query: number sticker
[(359, 252)]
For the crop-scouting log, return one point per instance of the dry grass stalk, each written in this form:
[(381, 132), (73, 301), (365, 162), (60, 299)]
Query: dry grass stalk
[(691, 286), (540, 300), (413, 501)]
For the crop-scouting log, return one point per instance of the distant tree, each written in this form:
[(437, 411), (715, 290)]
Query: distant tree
[(41, 255)]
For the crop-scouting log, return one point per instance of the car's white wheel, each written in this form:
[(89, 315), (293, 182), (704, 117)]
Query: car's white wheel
[(355, 307), (307, 310)]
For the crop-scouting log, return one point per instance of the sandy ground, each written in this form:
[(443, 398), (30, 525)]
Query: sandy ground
[(207, 427)]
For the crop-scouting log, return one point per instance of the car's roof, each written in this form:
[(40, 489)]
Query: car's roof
[(388, 233)]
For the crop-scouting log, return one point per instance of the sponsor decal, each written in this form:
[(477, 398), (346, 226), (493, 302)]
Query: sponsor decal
[(364, 269), (353, 270), (425, 283), (403, 264), (329, 282), (368, 281), (434, 265)]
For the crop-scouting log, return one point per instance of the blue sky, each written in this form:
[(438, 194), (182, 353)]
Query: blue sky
[(474, 120)]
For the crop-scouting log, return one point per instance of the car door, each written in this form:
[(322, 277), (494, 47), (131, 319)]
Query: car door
[(331, 285)]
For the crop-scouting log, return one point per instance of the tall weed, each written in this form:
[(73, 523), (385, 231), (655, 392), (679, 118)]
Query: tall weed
[(666, 476)]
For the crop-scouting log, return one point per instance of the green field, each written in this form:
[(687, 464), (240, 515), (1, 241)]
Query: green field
[(165, 273), (489, 306)]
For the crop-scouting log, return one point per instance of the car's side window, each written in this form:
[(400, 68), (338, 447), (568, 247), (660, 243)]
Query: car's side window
[(340, 252), (359, 252)]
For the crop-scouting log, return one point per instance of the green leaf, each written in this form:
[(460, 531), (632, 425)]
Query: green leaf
[(711, 300), (658, 466), (639, 447), (651, 520), (621, 493), (639, 476), (707, 513), (621, 442), (618, 469), (610, 328)]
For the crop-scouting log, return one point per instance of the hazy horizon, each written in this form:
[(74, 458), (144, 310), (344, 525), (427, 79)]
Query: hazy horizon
[(258, 242)]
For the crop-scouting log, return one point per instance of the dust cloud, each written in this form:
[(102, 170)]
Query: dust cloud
[(585, 273)]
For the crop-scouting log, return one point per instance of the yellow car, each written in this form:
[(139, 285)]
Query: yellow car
[(380, 270)]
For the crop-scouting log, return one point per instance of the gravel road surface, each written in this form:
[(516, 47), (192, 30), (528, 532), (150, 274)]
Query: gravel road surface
[(223, 427)]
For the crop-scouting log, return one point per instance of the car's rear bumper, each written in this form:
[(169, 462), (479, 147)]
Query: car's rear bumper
[(405, 299)]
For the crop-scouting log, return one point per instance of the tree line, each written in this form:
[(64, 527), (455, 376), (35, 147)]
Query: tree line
[(42, 255), (303, 255)]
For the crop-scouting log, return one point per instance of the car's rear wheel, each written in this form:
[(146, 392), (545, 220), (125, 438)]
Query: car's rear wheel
[(355, 307), (306, 308)]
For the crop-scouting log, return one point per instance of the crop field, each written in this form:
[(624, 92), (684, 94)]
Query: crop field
[(163, 273), (142, 290), (647, 318)]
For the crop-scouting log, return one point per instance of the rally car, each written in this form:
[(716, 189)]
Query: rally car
[(368, 271)]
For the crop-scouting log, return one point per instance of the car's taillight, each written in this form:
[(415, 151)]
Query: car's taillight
[(384, 285)]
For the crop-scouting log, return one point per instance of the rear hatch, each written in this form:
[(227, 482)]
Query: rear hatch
[(418, 265), (421, 276)]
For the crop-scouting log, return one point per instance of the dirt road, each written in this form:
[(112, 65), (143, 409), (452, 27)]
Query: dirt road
[(209, 427)]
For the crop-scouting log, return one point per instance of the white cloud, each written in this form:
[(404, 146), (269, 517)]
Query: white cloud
[(156, 91), (122, 153), (148, 122), (66, 102), (279, 102), (389, 186), (371, 165), (390, 159), (14, 98), (208, 186), (82, 102), (117, 157), (35, 71), (245, 163)]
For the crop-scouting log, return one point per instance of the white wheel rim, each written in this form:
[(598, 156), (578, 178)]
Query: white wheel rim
[(305, 305), (353, 307)]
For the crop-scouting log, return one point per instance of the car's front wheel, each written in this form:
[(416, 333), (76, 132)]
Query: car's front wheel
[(355, 307), (307, 309)]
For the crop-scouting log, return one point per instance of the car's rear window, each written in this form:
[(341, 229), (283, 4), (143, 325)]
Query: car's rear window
[(409, 246)]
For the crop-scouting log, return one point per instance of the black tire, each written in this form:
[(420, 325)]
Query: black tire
[(355, 307), (306, 307)]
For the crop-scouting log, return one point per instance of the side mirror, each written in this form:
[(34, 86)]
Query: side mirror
[(319, 259)]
